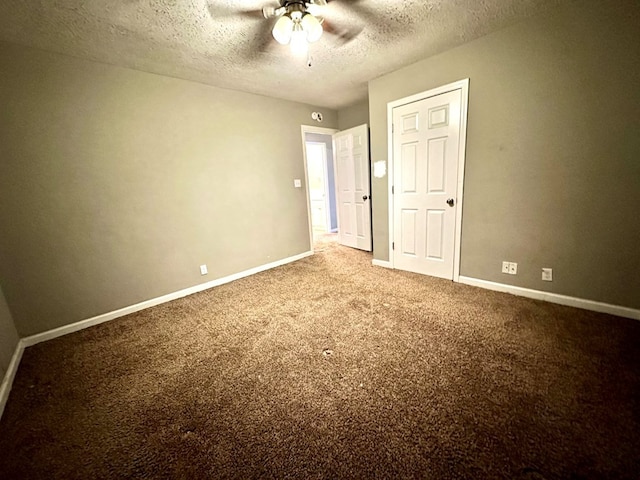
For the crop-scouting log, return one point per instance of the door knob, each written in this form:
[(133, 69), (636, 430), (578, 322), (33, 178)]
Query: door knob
[(366, 197), (450, 202)]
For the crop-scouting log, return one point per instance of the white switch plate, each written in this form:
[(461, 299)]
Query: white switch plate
[(547, 274), (297, 183), (203, 270)]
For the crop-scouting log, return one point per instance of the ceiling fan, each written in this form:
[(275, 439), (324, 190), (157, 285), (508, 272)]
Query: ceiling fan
[(301, 22)]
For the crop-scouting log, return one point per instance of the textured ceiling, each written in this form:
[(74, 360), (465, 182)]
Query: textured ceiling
[(210, 41)]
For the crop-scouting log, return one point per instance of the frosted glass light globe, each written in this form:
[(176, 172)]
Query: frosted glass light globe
[(283, 29), (312, 26)]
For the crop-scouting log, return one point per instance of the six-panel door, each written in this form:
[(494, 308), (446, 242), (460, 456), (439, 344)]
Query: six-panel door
[(354, 187), (425, 148)]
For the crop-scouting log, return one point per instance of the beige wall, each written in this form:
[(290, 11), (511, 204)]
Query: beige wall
[(8, 336), (353, 115), (115, 185), (553, 151)]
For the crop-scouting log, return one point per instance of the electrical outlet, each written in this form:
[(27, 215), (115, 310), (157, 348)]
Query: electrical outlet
[(547, 274), (510, 268), (203, 270)]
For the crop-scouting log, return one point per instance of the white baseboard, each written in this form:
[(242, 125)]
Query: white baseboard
[(105, 317), (554, 298), (381, 263), (7, 381), (9, 376)]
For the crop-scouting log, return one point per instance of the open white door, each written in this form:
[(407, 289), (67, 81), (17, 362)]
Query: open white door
[(353, 183)]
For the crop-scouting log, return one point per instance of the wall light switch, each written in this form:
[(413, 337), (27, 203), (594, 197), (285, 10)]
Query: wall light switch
[(297, 183), (380, 169), (203, 270)]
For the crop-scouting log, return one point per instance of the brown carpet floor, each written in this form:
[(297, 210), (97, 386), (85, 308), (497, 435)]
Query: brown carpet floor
[(332, 368)]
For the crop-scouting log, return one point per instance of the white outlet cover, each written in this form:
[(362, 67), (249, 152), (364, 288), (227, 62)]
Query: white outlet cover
[(297, 183), (505, 267), (203, 270), (547, 274), (513, 268)]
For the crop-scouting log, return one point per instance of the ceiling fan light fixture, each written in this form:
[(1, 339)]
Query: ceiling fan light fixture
[(299, 45), (311, 25), (283, 30)]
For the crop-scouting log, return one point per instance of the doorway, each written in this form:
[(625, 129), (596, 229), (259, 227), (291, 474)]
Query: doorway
[(337, 167), (320, 180), (321, 184)]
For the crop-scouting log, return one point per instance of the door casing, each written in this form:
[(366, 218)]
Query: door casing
[(462, 85)]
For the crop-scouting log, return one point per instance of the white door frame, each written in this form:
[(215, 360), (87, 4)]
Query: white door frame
[(304, 129), (462, 85)]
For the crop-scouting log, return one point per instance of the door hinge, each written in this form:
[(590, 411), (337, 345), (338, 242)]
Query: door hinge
[(393, 127), (393, 190), (393, 245)]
